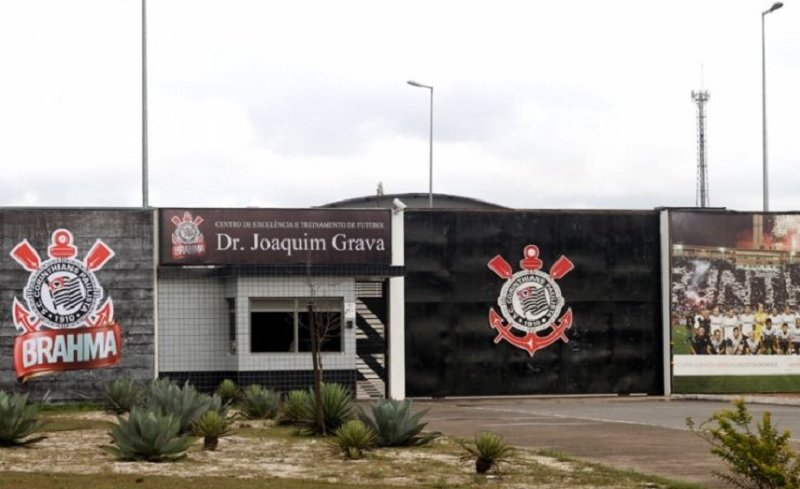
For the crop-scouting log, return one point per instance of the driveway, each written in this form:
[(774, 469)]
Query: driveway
[(647, 434)]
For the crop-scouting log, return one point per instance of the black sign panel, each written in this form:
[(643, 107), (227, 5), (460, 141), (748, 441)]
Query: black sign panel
[(488, 315), (275, 236)]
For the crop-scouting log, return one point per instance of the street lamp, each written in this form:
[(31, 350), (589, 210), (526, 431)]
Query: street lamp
[(430, 168), (775, 6), (145, 183)]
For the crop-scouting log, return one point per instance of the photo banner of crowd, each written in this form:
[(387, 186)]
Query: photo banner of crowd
[(735, 301)]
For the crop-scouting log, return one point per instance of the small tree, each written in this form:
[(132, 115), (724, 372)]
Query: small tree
[(760, 459), (322, 323)]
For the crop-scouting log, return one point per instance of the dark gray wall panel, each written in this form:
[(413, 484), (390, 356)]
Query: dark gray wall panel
[(614, 293), (127, 278)]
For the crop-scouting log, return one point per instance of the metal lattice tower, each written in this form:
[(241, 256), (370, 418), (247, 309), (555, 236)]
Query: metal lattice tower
[(700, 98)]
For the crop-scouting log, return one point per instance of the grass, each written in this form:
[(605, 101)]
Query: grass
[(735, 384), (14, 480)]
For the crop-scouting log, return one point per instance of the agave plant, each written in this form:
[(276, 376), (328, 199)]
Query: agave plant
[(488, 449), (337, 409), (228, 391), (296, 407), (259, 403), (148, 435), (395, 424), (17, 420), (185, 402), (121, 395), (353, 438), (212, 426)]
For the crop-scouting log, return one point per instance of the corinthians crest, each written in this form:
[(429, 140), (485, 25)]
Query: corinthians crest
[(187, 239), (530, 301), (67, 324)]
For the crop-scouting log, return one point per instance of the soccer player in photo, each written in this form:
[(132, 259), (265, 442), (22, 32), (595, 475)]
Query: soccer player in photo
[(769, 337), (700, 343), (735, 345), (747, 320), (784, 339), (717, 343), (794, 332), (715, 318), (752, 345), (728, 323)]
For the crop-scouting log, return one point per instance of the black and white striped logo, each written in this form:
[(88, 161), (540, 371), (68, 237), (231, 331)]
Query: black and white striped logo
[(63, 292), (531, 300)]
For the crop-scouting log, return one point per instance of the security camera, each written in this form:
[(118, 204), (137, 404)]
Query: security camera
[(399, 205)]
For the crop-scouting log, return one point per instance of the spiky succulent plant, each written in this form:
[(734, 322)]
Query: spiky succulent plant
[(185, 403), (212, 426), (488, 449), (296, 407), (228, 391), (353, 438), (259, 403), (121, 395), (337, 409), (396, 425), (17, 420), (148, 434)]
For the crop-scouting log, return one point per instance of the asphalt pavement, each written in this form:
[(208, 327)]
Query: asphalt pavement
[(647, 434)]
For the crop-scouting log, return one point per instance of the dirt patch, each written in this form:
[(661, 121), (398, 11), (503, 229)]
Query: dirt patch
[(261, 450)]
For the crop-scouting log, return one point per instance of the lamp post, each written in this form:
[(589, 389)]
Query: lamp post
[(144, 105), (775, 6), (430, 166)]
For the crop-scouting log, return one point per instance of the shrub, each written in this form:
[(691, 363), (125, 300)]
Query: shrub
[(148, 435), (185, 402), (488, 449), (212, 426), (121, 395), (228, 391), (259, 403), (353, 437), (296, 407), (17, 420), (757, 459), (395, 425), (337, 408)]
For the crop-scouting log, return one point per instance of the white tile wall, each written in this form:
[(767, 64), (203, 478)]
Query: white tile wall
[(193, 323)]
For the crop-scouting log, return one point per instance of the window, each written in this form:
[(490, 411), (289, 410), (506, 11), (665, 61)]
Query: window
[(285, 325)]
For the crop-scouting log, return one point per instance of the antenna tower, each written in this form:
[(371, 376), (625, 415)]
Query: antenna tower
[(700, 98)]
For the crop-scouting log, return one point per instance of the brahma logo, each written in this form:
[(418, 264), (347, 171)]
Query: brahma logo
[(187, 240), (64, 326), (530, 301)]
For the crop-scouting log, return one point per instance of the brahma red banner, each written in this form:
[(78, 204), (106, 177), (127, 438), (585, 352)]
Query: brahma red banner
[(64, 321)]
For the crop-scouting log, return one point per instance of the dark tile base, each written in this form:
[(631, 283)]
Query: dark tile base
[(279, 380)]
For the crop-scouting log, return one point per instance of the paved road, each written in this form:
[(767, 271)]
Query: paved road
[(645, 434)]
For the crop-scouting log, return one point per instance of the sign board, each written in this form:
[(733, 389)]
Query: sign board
[(735, 301), (275, 236)]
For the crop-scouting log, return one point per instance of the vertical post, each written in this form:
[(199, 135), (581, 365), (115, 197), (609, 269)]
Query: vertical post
[(144, 105), (666, 304), (764, 114), (396, 363), (430, 175)]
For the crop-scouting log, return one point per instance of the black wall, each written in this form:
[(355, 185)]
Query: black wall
[(127, 278), (614, 292)]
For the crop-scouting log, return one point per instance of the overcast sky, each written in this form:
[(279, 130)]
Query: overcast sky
[(574, 104)]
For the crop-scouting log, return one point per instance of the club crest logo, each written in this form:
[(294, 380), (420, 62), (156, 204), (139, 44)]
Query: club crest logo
[(187, 239), (68, 324), (530, 302)]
